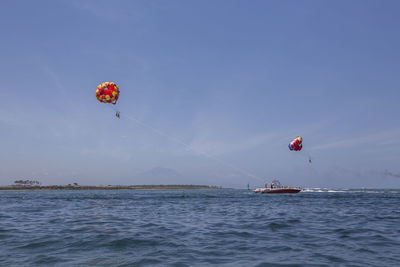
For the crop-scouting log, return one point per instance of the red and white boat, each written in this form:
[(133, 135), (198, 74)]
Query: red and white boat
[(276, 188)]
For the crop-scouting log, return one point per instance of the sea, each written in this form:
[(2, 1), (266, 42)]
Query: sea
[(317, 227)]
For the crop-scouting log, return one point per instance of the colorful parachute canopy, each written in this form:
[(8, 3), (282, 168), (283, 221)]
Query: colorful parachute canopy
[(107, 92), (296, 144)]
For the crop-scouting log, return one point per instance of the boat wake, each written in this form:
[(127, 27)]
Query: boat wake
[(330, 190)]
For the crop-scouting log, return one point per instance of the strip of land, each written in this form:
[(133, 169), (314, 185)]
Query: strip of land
[(109, 187)]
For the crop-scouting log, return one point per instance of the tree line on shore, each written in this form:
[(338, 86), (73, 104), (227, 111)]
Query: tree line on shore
[(27, 182), (36, 185)]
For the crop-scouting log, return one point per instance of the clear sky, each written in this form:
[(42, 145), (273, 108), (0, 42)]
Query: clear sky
[(212, 92)]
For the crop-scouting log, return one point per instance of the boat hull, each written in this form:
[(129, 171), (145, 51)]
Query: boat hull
[(277, 190), (282, 191)]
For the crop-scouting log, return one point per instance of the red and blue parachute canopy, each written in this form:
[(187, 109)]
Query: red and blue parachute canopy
[(296, 144)]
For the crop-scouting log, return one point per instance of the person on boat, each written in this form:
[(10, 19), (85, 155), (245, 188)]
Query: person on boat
[(266, 185), (272, 185)]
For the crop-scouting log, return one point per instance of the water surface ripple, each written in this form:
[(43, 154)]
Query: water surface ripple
[(199, 228)]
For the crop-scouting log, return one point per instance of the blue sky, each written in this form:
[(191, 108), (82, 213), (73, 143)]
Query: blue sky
[(211, 92)]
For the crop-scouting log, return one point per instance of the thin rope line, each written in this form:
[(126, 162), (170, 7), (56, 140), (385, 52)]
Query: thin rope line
[(187, 147)]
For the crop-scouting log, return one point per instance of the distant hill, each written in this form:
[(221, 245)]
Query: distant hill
[(159, 175)]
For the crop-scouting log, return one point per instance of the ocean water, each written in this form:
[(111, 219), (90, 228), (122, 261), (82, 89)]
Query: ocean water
[(318, 227)]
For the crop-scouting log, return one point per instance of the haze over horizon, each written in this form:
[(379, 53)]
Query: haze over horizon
[(212, 92)]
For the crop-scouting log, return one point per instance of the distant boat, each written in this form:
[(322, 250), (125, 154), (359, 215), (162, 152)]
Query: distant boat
[(276, 188), (283, 190)]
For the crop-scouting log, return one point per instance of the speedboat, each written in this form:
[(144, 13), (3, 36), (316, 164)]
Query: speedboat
[(283, 190), (276, 188)]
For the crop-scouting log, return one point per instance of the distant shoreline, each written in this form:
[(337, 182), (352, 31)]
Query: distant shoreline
[(110, 187)]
